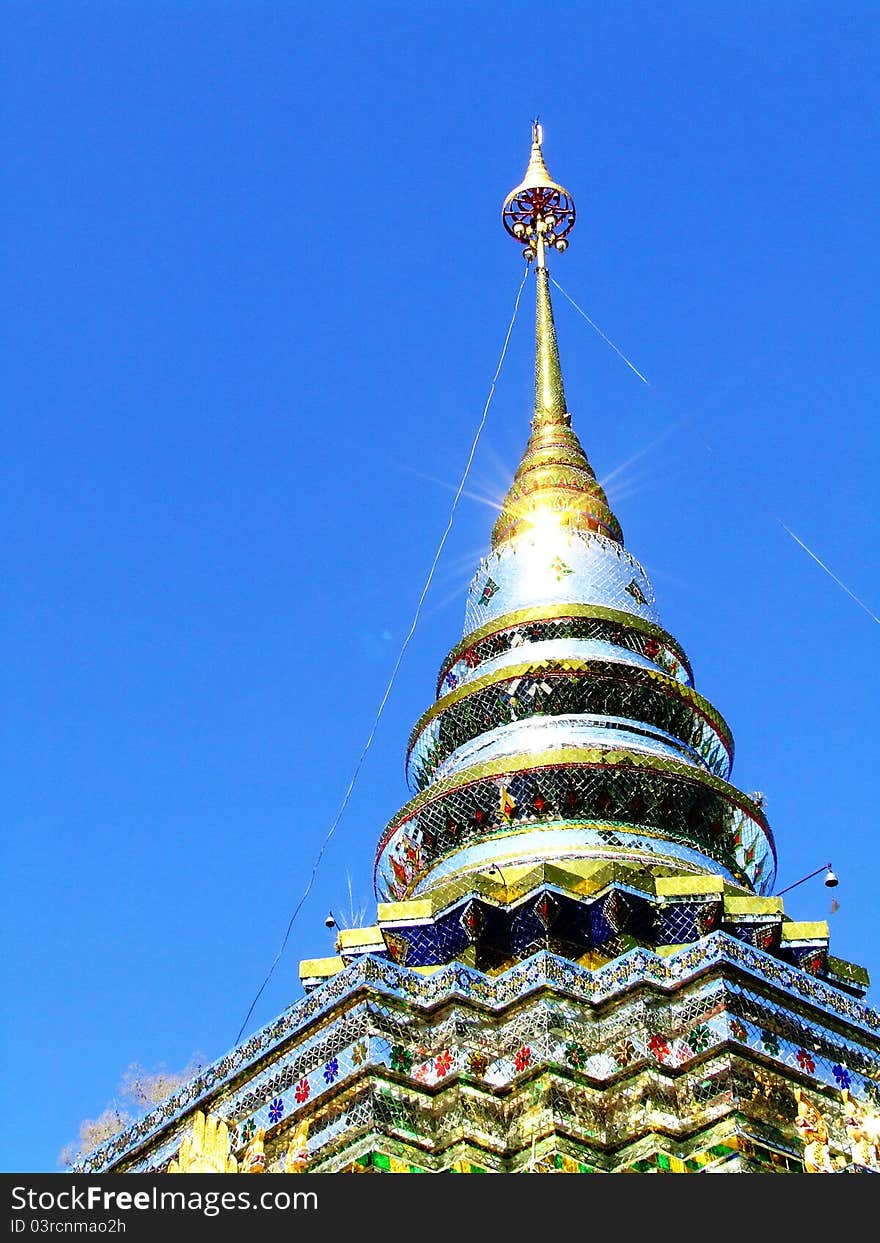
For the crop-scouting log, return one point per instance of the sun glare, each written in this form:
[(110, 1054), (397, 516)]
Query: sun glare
[(544, 526)]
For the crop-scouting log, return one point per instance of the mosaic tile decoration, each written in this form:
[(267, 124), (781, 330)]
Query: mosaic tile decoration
[(573, 968), (294, 1060)]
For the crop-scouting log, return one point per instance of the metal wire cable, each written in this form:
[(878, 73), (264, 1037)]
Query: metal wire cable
[(403, 647), (797, 539), (580, 310)]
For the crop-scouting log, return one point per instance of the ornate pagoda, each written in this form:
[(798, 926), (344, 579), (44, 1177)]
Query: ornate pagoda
[(578, 964)]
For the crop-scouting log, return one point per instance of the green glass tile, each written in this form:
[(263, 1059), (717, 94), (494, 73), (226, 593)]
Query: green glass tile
[(721, 1150)]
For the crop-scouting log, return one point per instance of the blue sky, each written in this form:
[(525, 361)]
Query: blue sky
[(257, 286)]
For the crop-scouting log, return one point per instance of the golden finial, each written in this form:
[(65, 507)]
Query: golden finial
[(555, 489), (539, 212)]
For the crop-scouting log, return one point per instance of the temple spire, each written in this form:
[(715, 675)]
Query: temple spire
[(549, 391), (554, 479)]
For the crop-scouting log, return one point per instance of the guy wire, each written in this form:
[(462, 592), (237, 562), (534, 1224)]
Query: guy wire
[(400, 655)]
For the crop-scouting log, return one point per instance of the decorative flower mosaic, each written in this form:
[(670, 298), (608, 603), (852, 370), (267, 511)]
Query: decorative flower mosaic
[(842, 1075), (559, 569), (700, 1037), (739, 1031), (578, 984), (805, 1061), (576, 1055), (477, 1063), (443, 1063), (489, 589), (659, 1046), (624, 1052), (770, 1043), (522, 1057)]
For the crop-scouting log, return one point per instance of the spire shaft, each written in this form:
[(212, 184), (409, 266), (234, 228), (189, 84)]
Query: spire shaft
[(554, 479), (554, 476), (549, 391)]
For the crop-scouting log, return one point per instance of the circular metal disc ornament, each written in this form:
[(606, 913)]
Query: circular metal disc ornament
[(538, 200)]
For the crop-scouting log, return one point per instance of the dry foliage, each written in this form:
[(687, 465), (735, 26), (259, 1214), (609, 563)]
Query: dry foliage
[(140, 1089)]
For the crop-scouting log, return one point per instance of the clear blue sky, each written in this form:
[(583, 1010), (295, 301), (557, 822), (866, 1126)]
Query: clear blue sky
[(256, 286)]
